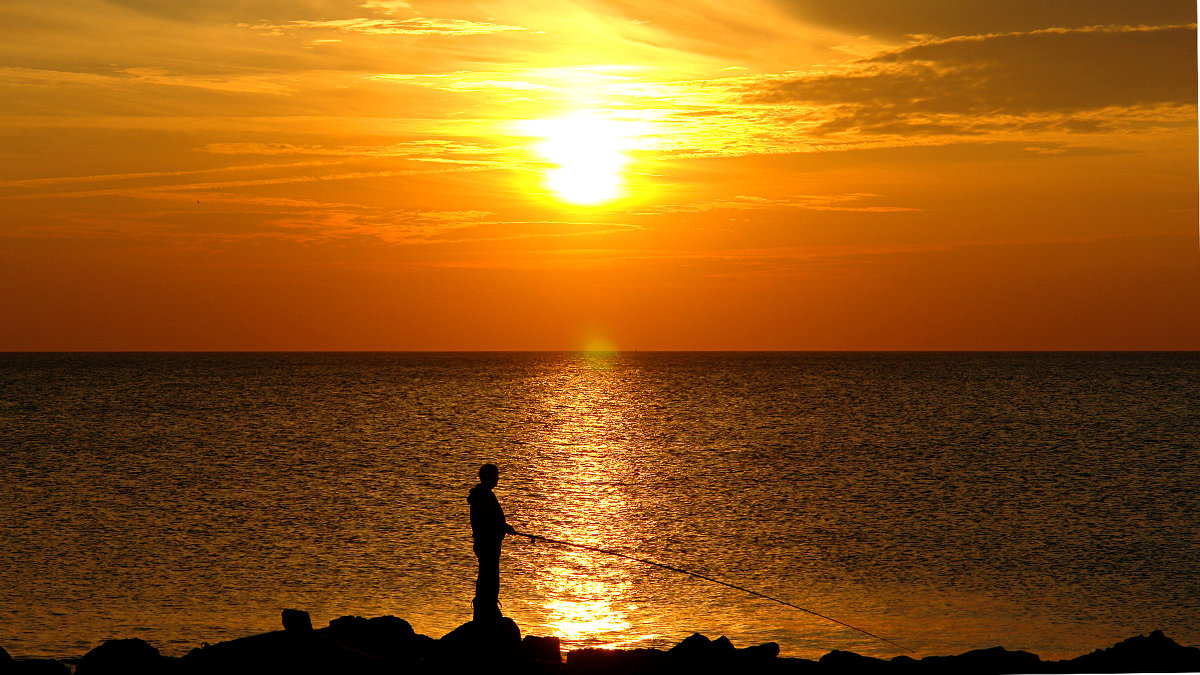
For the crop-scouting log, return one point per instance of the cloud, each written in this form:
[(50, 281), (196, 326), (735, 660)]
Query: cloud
[(242, 84), (275, 11), (977, 84), (112, 177), (414, 26), (171, 191), (843, 202), (388, 21), (1059, 68), (387, 6), (895, 20), (425, 150), (787, 261), (401, 227), (246, 218), (246, 84), (463, 81)]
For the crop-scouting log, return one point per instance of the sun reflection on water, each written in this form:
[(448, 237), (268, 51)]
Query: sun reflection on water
[(582, 607), (587, 596)]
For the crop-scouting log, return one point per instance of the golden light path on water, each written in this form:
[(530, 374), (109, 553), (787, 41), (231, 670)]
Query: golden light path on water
[(586, 596), (587, 470)]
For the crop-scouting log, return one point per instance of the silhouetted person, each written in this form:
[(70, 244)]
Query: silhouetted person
[(488, 528)]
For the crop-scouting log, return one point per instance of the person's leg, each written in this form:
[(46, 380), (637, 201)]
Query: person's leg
[(492, 577), (487, 584)]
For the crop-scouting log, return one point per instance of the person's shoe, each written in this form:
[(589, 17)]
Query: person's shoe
[(485, 612)]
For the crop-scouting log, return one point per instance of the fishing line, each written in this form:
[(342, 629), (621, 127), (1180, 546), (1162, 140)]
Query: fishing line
[(708, 578)]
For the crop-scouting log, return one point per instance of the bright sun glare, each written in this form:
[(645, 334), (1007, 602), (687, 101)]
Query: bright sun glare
[(589, 153)]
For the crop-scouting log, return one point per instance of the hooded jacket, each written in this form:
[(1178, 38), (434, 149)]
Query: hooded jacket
[(488, 525)]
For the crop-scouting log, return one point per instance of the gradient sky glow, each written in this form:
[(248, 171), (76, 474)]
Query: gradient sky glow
[(767, 174)]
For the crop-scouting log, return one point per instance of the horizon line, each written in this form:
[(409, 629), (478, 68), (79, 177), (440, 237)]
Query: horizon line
[(602, 351)]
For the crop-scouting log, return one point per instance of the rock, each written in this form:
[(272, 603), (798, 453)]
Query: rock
[(490, 645), (610, 661), (721, 645), (1153, 653), (292, 653), (699, 655), (692, 645), (696, 654), (838, 661), (33, 667), (993, 661), (296, 621), (245, 655), (542, 649), (542, 655), (795, 666), (904, 664), (387, 645), (422, 649), (768, 651), (11, 666), (384, 636), (502, 633), (123, 657)]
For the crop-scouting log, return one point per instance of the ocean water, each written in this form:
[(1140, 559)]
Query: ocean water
[(946, 501)]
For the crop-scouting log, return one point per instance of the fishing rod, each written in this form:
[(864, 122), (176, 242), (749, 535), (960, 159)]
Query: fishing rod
[(618, 554)]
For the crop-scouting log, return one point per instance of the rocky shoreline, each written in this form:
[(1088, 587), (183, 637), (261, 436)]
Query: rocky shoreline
[(387, 645)]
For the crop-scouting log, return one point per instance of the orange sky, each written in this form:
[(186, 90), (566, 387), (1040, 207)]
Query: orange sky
[(771, 174)]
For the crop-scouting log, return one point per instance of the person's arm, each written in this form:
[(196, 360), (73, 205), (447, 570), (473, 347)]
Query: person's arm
[(508, 529), (504, 521)]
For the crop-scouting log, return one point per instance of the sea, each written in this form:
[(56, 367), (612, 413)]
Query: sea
[(944, 501)]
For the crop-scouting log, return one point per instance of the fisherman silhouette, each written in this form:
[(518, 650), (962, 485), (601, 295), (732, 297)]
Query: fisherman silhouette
[(488, 528)]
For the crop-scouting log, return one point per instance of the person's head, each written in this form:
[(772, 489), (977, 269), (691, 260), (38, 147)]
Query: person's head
[(489, 475)]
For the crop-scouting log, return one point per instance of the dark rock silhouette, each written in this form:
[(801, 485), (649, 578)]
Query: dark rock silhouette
[(33, 667), (607, 661), (697, 654), (838, 661), (993, 661), (768, 651), (296, 650), (353, 645), (1155, 653), (695, 645), (11, 666), (296, 621), (543, 654), (388, 637), (123, 657), (542, 648), (486, 646)]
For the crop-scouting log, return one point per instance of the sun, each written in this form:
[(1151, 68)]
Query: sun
[(589, 154)]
